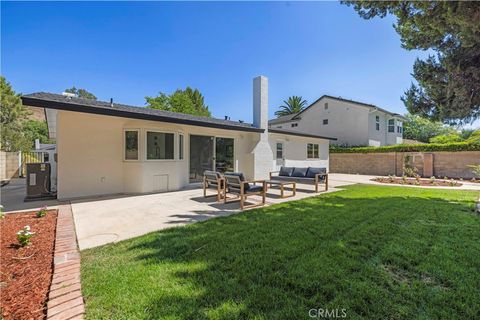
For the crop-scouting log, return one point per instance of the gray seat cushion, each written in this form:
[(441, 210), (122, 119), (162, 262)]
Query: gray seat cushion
[(313, 171), (255, 189), (286, 171), (300, 172)]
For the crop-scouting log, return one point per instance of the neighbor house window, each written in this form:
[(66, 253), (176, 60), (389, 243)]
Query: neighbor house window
[(131, 145), (325, 121), (159, 145), (377, 123), (312, 151), (294, 124), (326, 105), (391, 125), (180, 146), (279, 150)]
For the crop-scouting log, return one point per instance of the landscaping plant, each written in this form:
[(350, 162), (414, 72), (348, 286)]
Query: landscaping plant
[(42, 212), (24, 236)]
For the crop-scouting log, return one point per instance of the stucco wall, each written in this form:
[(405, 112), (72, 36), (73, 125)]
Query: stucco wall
[(450, 164)]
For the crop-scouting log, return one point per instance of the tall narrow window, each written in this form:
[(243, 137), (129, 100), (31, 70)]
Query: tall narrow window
[(391, 125), (279, 150), (326, 105), (312, 151), (377, 123), (131, 145), (180, 146), (159, 145)]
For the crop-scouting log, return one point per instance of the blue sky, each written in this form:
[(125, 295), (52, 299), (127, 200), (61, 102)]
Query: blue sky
[(129, 50)]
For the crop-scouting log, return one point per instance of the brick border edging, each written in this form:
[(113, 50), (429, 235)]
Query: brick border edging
[(65, 300)]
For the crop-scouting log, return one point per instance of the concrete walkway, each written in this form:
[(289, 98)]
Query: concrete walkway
[(104, 220)]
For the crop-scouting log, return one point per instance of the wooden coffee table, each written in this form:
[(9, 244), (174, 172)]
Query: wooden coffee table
[(282, 185)]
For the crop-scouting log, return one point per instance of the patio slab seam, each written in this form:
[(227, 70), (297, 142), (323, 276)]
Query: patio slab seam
[(65, 299)]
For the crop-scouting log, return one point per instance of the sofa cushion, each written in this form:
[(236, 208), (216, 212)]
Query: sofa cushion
[(255, 189), (300, 172), (313, 171), (286, 171), (246, 186)]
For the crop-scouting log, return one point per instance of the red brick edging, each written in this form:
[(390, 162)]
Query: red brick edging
[(65, 300)]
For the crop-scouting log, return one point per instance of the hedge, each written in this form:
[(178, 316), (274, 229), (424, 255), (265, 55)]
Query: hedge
[(428, 147)]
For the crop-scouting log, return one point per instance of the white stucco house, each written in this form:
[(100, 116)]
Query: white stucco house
[(106, 148), (353, 123)]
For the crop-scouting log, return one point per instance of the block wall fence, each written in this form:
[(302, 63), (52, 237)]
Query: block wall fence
[(438, 164)]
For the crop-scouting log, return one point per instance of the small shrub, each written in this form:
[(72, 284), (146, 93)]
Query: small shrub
[(475, 170), (452, 183), (432, 179), (404, 179), (391, 178), (42, 212), (417, 182), (410, 172), (2, 214), (24, 236)]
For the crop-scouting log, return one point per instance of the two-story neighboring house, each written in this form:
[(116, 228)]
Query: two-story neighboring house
[(353, 123)]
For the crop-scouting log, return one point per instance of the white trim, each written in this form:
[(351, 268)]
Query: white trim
[(124, 144)]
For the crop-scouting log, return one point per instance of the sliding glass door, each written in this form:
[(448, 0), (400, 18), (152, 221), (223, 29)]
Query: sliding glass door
[(210, 153)]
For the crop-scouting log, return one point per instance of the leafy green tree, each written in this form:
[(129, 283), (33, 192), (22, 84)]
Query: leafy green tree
[(35, 129), (446, 138), (189, 101), (12, 114), (292, 105), (81, 93), (422, 129), (448, 83)]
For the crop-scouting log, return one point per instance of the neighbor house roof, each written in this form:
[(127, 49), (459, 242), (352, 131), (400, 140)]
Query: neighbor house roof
[(296, 116), (61, 102), (300, 134)]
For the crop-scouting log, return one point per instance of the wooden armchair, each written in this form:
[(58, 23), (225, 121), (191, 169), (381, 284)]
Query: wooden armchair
[(213, 180), (235, 183)]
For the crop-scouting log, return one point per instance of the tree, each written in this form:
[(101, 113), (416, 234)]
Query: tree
[(448, 83), (292, 105), (12, 114), (189, 101), (422, 129), (35, 129), (81, 93)]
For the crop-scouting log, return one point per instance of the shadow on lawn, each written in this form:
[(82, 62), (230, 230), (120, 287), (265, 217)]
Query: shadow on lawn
[(367, 255)]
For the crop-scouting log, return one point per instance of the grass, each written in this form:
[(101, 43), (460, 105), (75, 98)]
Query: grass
[(378, 252)]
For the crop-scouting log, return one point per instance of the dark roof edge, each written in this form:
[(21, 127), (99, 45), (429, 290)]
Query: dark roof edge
[(300, 134), (35, 102), (350, 101)]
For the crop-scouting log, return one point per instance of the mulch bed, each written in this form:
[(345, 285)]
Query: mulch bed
[(420, 182), (26, 273)]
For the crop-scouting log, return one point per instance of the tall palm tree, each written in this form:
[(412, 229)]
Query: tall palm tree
[(293, 104)]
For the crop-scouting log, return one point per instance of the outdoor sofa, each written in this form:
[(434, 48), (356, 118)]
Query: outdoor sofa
[(310, 175)]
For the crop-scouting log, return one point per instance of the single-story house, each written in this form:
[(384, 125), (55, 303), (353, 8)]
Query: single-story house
[(106, 148)]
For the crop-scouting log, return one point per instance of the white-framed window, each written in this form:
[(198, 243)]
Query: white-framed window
[(312, 151), (160, 145), (180, 146), (279, 152), (391, 125), (131, 143), (399, 129), (377, 123), (325, 121)]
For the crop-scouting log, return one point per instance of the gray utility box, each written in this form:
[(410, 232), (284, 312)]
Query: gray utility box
[(38, 180)]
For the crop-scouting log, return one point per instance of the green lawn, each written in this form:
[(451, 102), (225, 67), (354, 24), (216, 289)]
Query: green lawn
[(378, 252)]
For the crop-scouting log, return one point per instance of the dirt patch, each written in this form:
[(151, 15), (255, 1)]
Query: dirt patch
[(419, 182), (26, 273)]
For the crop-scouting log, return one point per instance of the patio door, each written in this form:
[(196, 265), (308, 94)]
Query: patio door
[(201, 156), (210, 153)]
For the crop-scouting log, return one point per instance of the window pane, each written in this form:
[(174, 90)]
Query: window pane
[(180, 147), (131, 145), (159, 145), (325, 121), (309, 151), (315, 151), (279, 150), (377, 126)]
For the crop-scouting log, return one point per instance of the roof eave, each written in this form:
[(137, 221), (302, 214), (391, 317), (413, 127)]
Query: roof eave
[(300, 134), (35, 102)]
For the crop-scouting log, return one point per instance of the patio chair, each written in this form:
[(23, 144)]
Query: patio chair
[(213, 180), (235, 183)]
